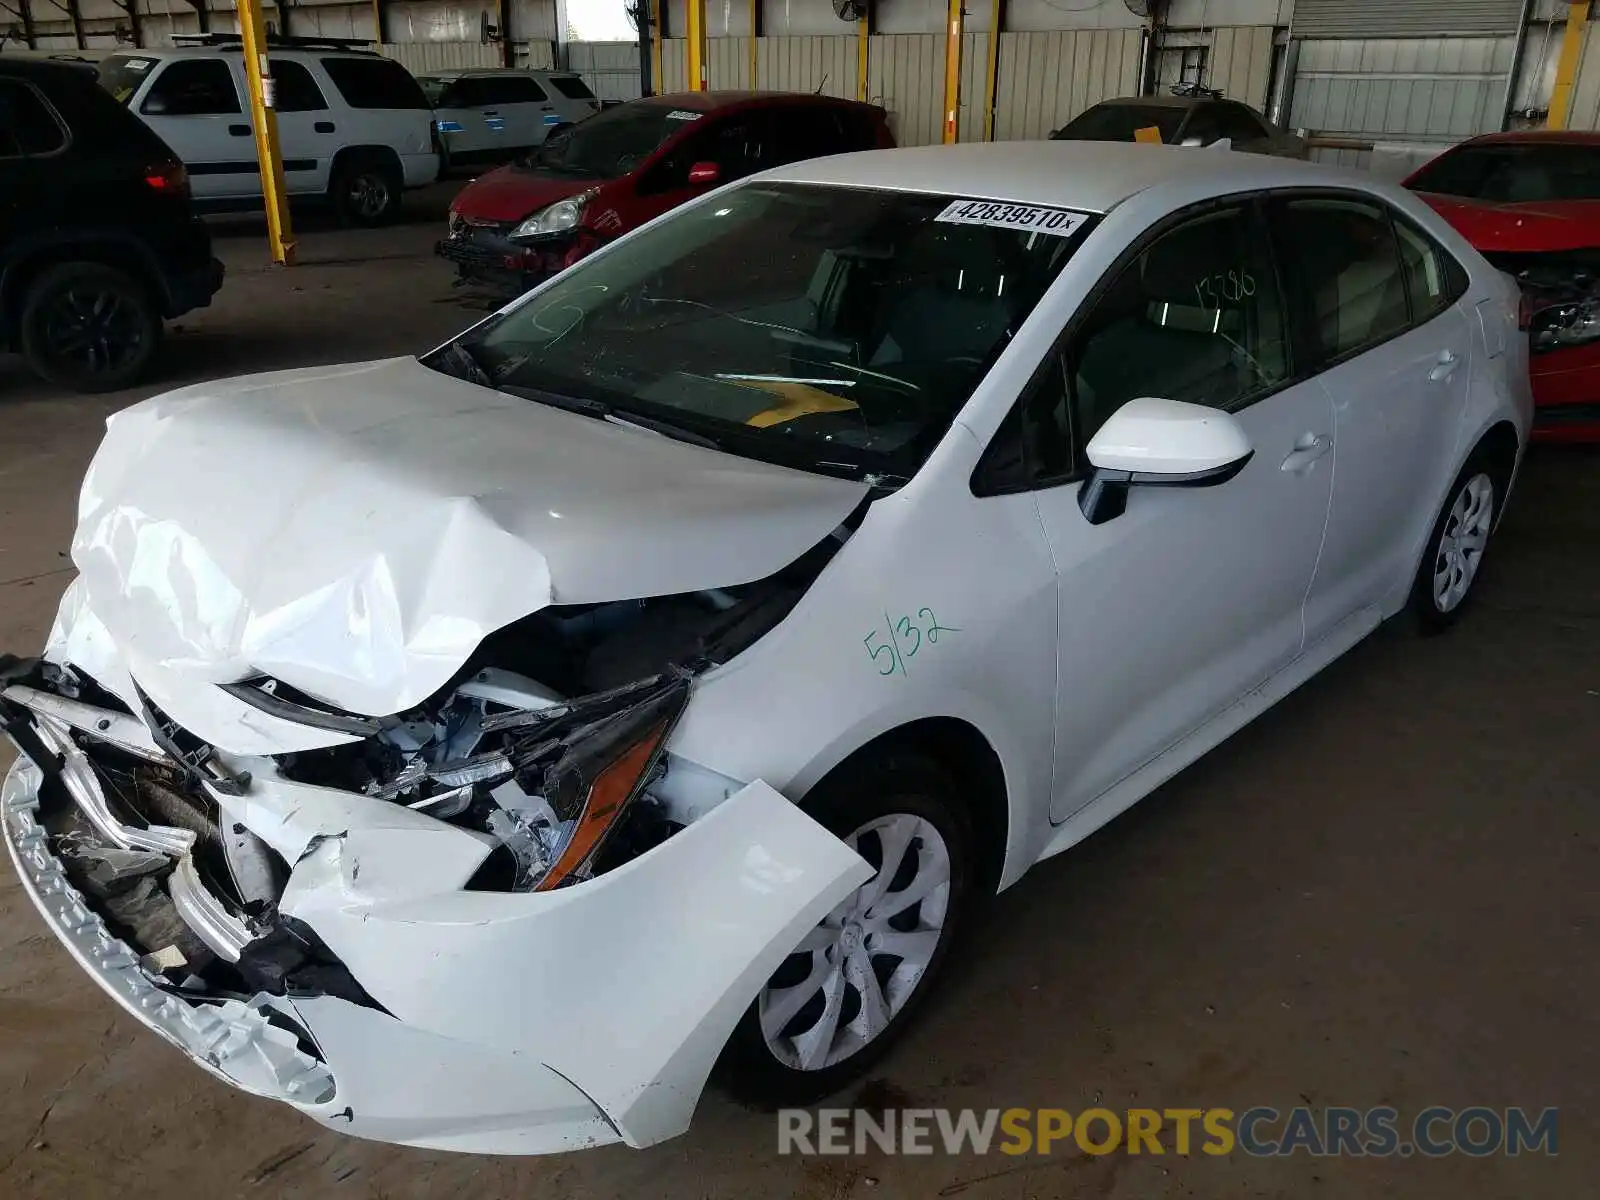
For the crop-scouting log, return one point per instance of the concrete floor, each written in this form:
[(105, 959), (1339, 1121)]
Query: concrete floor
[(1386, 891)]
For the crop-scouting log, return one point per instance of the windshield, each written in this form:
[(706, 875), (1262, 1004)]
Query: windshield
[(832, 329), (1119, 122), (1512, 174), (433, 88), (613, 142), (121, 74)]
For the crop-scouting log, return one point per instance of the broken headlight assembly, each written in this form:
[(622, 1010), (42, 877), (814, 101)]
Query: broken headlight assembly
[(1571, 323), (560, 786), (558, 218)]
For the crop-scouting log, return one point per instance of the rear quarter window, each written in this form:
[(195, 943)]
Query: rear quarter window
[(29, 127), (571, 87), (374, 83)]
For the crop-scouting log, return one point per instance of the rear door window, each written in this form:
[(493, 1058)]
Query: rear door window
[(512, 89), (1349, 280), (29, 127), (1434, 280), (192, 87), (293, 88), (798, 132), (373, 82)]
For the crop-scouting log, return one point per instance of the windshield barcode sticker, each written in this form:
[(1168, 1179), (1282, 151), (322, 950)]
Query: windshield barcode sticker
[(1023, 217)]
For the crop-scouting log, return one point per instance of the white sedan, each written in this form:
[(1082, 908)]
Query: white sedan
[(472, 751)]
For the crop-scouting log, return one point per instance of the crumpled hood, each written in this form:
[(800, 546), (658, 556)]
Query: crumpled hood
[(356, 531), (1531, 228), (511, 193)]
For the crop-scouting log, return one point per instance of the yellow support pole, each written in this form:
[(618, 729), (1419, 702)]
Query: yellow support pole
[(997, 17), (264, 121), (1567, 65), (755, 41), (952, 76), (658, 32), (863, 33), (695, 31)]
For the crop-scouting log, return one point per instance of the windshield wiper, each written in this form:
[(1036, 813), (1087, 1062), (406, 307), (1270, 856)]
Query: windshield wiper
[(460, 361), (581, 405), (665, 429)]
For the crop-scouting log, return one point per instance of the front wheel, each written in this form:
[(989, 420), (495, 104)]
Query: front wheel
[(852, 985), (89, 327), (1453, 561), (367, 192)]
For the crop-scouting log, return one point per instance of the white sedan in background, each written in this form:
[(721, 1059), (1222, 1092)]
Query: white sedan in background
[(472, 751)]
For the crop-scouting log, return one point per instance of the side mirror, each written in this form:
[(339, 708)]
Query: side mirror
[(702, 173), (155, 106), (1160, 443)]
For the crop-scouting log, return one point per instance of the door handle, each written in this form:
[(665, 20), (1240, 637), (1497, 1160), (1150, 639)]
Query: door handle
[(323, 126), (491, 112), (239, 130), (1449, 360), (1309, 448), (547, 108)]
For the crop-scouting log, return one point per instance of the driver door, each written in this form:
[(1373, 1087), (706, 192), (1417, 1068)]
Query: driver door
[(732, 143), (1177, 608)]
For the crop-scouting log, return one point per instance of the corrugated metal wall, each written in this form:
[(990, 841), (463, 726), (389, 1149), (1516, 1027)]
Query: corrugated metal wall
[(1411, 90), (1048, 78), (1241, 62), (611, 69), (905, 74), (1403, 18)]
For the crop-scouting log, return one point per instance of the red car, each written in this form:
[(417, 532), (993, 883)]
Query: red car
[(520, 224), (1530, 204)]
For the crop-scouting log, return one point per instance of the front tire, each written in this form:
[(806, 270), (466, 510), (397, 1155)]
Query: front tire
[(857, 980), (1453, 562), (89, 327)]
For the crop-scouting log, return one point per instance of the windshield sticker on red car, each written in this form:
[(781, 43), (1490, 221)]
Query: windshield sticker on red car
[(1024, 217), (679, 114)]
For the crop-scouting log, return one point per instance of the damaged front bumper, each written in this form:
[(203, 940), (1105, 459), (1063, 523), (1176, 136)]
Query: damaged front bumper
[(382, 997)]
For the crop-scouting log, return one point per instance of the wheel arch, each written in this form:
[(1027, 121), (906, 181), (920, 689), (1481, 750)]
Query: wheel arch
[(32, 257), (348, 156), (961, 748), (1501, 446)]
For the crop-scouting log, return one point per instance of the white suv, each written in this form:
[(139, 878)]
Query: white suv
[(489, 114), (353, 126)]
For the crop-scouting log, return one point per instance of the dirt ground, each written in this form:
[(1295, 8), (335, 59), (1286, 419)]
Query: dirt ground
[(1386, 891)]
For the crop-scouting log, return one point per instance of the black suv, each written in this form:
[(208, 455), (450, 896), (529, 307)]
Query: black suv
[(98, 238)]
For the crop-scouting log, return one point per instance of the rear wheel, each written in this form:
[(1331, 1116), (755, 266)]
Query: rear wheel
[(89, 327), (1458, 543), (854, 983), (366, 191)]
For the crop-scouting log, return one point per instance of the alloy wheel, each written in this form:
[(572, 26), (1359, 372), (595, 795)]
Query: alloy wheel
[(97, 329), (369, 195), (1462, 543), (854, 973)]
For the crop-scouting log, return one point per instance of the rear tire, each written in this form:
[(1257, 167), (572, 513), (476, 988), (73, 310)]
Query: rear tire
[(89, 327), (840, 1001), (1448, 575), (366, 191)]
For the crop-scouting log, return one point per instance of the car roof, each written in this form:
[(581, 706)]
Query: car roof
[(235, 48), (720, 101), (464, 72), (1537, 137), (43, 68), (1088, 176)]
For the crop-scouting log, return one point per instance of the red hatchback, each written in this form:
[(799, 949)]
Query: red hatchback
[(1530, 204), (520, 224)]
